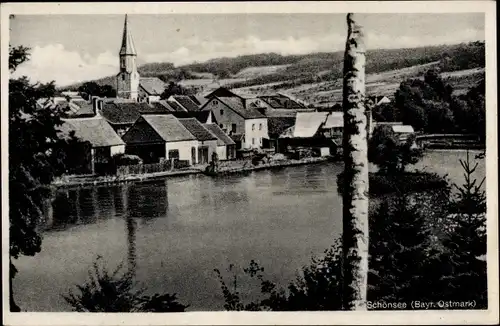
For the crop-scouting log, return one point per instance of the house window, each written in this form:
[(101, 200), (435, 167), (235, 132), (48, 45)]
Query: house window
[(221, 112), (215, 103), (233, 127), (253, 126), (221, 126), (173, 154), (260, 126)]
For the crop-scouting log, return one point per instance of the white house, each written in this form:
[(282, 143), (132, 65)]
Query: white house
[(246, 125)]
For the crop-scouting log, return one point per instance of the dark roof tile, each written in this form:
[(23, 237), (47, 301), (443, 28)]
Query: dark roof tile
[(197, 129), (222, 138)]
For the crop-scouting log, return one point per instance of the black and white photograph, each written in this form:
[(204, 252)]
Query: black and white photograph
[(307, 158)]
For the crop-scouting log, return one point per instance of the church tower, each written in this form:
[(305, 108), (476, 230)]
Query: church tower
[(127, 79)]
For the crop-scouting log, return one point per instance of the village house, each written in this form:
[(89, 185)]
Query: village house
[(276, 126), (280, 105), (320, 130), (207, 142), (226, 147), (150, 89), (120, 114), (104, 141), (157, 137), (246, 126), (379, 99)]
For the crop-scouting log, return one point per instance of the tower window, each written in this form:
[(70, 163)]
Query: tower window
[(123, 76)]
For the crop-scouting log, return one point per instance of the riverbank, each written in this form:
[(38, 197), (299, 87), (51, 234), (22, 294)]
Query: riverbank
[(229, 167)]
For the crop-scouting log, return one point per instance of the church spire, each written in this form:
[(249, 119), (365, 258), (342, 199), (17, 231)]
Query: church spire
[(128, 47)]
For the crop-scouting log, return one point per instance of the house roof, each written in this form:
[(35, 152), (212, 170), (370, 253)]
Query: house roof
[(120, 112), (402, 129), (186, 102), (168, 127), (94, 130), (156, 108), (152, 85), (198, 99), (238, 106), (308, 123), (176, 107), (197, 129), (277, 125), (281, 102), (201, 116), (221, 92), (222, 138), (80, 108)]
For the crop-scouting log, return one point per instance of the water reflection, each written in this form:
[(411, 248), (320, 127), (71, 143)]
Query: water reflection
[(147, 200), (131, 241), (70, 207)]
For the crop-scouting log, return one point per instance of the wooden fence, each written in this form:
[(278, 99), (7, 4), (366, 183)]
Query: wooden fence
[(151, 168)]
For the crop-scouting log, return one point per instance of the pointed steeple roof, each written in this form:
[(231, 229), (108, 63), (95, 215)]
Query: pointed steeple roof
[(128, 47)]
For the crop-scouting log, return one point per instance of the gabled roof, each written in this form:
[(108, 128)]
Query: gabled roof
[(94, 130), (120, 112), (281, 102), (238, 105), (176, 107), (168, 127), (308, 123), (186, 102), (222, 138), (80, 108), (221, 92), (201, 116), (152, 85), (198, 99), (197, 129), (155, 108)]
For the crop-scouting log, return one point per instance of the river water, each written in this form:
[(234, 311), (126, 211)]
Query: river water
[(176, 231)]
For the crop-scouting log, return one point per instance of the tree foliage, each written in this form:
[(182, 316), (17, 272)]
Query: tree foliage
[(389, 153), (36, 156), (427, 246), (429, 105), (91, 88), (174, 89)]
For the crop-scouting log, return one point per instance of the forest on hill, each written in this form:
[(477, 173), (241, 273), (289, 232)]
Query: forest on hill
[(315, 66)]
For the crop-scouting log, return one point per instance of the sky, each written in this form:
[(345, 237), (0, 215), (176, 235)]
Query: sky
[(74, 48)]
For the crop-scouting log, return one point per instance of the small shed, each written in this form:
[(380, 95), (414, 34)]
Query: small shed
[(207, 142), (226, 147)]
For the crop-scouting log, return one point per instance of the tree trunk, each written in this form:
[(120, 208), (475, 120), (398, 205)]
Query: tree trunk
[(355, 192)]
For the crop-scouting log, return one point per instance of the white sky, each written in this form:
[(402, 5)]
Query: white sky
[(72, 48)]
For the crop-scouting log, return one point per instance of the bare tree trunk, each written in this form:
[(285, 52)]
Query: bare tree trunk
[(355, 192)]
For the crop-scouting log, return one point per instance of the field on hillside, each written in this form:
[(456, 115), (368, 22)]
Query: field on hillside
[(255, 72), (386, 83)]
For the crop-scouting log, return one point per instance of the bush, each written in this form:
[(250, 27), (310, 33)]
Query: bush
[(126, 159), (115, 292)]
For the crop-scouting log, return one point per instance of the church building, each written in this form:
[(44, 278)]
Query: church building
[(129, 84)]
